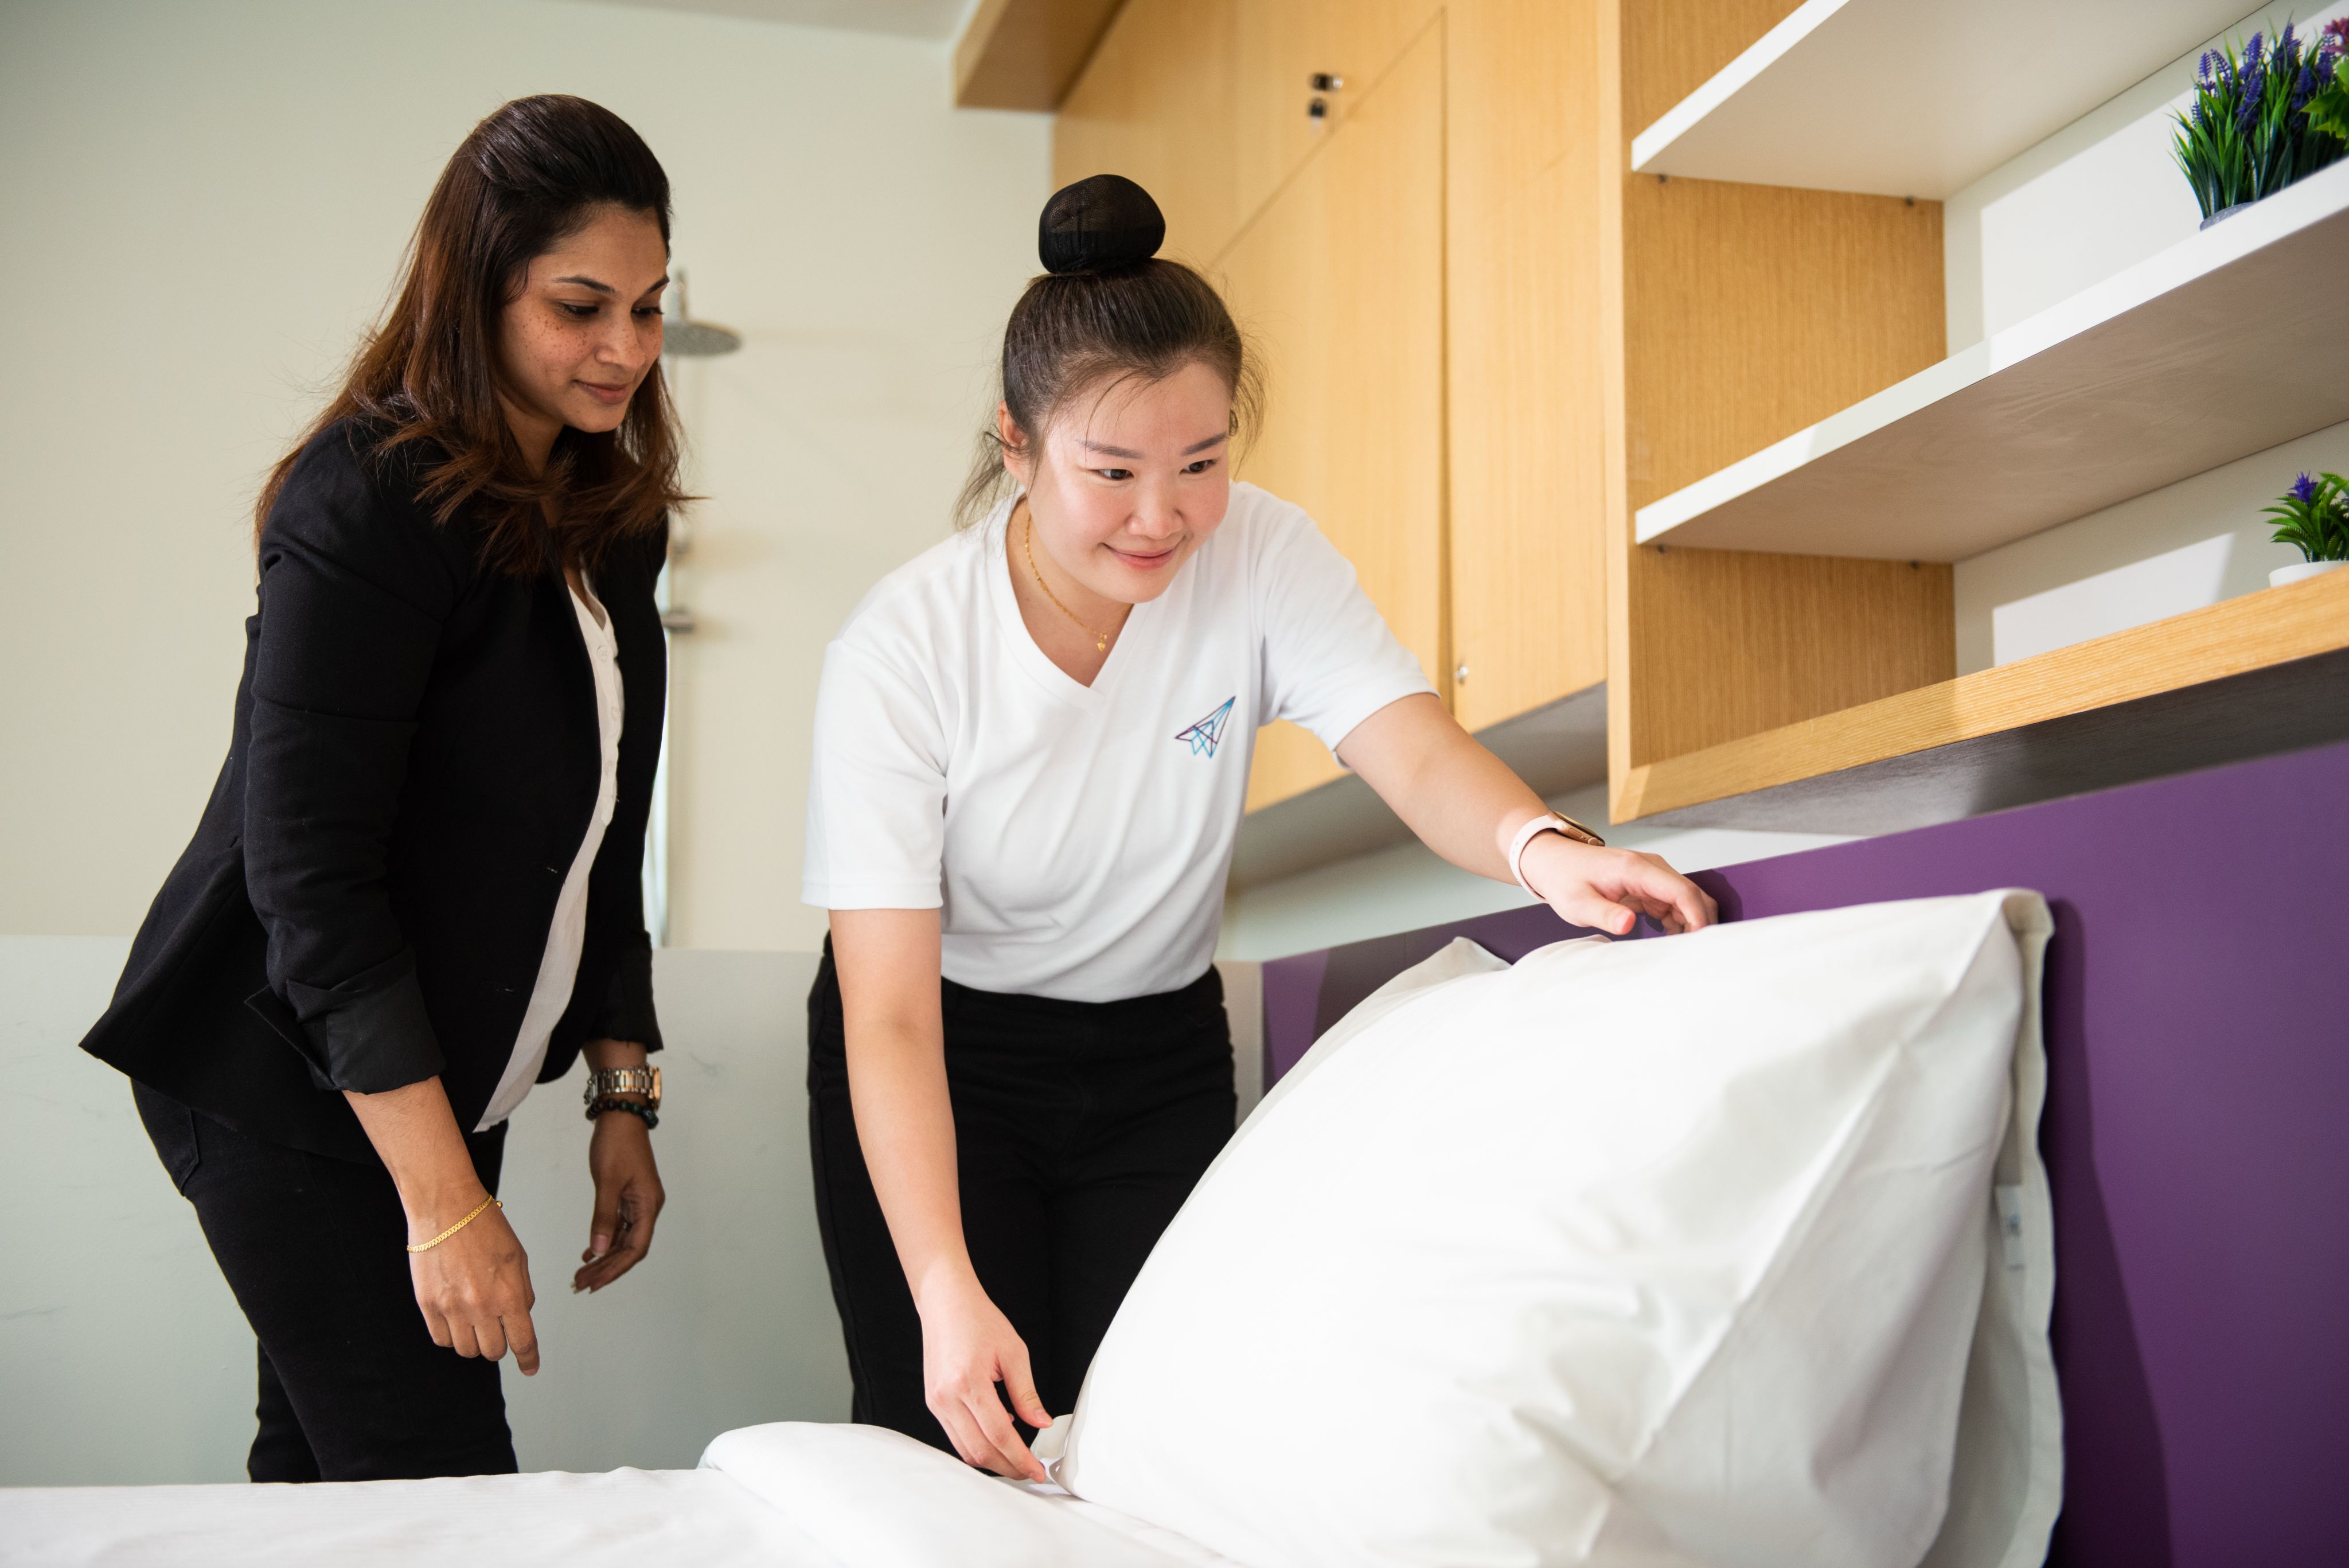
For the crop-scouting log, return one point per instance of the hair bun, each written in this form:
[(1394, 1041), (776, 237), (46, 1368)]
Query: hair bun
[(1095, 225)]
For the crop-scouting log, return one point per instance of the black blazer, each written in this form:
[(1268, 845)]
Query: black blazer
[(366, 902)]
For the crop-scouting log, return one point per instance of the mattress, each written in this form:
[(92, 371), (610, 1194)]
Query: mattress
[(789, 1495)]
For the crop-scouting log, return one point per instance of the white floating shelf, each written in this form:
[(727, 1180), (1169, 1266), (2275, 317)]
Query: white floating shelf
[(1916, 97), (2224, 344)]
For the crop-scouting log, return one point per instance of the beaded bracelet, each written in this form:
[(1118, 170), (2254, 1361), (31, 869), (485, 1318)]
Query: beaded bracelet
[(634, 1107)]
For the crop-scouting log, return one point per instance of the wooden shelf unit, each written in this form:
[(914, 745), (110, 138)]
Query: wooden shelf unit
[(1747, 312), (2265, 672), (2169, 368), (1914, 97), (1799, 463)]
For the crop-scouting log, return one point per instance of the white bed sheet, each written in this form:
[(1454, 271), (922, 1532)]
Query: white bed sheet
[(789, 1495), (621, 1518)]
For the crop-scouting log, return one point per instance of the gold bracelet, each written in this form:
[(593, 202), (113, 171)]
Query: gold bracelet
[(487, 1203)]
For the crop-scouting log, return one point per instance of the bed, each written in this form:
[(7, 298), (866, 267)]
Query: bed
[(789, 1495), (2195, 1131), (2198, 1063)]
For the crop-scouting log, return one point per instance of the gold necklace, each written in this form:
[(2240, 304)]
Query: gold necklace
[(1027, 541)]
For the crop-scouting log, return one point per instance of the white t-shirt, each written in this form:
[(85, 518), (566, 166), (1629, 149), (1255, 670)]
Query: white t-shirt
[(1076, 838), (566, 935)]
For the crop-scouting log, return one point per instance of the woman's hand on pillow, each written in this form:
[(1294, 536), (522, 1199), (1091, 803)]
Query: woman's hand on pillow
[(968, 1347), (1608, 889)]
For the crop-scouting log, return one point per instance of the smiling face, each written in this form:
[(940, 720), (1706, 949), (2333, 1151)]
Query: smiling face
[(584, 331), (1131, 481)]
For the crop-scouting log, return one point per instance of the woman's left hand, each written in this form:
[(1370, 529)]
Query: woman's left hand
[(1609, 889), (628, 1198)]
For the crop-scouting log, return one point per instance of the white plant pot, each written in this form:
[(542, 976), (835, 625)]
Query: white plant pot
[(2301, 571)]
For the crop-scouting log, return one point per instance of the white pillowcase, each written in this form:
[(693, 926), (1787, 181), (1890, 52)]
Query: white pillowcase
[(1667, 1252)]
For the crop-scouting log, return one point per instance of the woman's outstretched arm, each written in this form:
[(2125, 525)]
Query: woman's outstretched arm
[(888, 962), (1464, 803)]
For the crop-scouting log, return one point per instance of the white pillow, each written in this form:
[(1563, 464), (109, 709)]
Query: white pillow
[(1658, 1254)]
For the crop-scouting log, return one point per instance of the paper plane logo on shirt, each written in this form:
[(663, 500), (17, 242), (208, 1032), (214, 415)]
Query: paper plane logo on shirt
[(1208, 732)]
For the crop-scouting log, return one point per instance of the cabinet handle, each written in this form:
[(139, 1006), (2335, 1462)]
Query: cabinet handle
[(1318, 107), (1460, 676)]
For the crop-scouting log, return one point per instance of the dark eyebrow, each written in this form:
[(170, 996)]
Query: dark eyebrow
[(1120, 452), (585, 282)]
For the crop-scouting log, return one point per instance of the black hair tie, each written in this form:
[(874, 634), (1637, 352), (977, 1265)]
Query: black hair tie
[(1098, 224)]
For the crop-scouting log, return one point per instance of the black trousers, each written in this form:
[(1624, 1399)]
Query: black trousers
[(1080, 1129), (352, 1386)]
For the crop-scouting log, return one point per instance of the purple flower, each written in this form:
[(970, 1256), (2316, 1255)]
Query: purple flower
[(2336, 32), (2302, 88), (2303, 489)]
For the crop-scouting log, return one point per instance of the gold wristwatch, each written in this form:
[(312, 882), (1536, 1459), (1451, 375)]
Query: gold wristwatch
[(645, 1081)]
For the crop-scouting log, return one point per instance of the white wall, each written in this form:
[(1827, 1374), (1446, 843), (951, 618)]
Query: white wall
[(205, 202), (2092, 200)]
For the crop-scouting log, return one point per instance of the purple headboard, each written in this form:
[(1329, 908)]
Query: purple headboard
[(2197, 1130)]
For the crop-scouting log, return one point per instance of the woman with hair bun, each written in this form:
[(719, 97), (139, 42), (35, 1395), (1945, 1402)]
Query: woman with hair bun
[(1031, 755), (415, 892)]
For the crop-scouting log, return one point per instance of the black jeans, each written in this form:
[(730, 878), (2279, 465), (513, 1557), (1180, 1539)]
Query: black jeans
[(352, 1386), (1080, 1129)]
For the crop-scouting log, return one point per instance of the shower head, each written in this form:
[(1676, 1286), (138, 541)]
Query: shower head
[(695, 339), (689, 340)]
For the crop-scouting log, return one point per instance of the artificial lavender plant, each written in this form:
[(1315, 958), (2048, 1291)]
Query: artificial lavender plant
[(2328, 101), (2248, 133), (2314, 516)]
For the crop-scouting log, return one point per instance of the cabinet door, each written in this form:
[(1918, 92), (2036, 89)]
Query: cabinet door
[(1340, 284), (1155, 104), (1529, 154), (1281, 44)]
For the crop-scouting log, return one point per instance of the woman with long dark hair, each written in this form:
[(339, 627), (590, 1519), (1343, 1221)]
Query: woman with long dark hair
[(1032, 751), (415, 892)]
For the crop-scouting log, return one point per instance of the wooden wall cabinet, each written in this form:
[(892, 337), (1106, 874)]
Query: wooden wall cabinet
[(1282, 48), (1338, 282), (1155, 103), (1419, 267), (1529, 136), (1526, 300)]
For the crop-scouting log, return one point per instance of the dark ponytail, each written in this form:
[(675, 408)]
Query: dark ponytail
[(1104, 311)]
